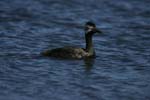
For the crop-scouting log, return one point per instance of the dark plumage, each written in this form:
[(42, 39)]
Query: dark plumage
[(73, 52)]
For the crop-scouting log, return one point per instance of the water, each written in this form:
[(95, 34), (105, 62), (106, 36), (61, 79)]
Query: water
[(120, 71)]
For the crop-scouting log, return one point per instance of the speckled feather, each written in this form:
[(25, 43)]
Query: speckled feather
[(67, 52)]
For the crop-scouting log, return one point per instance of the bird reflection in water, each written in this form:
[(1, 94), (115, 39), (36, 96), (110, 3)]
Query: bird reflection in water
[(88, 63)]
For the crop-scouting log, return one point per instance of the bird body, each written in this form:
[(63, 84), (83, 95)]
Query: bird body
[(67, 52)]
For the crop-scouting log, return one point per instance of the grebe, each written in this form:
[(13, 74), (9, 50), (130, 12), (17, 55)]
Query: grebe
[(73, 52)]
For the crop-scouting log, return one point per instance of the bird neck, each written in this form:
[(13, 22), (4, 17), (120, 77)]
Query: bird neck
[(89, 43)]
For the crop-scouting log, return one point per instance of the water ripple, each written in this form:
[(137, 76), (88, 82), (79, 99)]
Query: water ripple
[(120, 70)]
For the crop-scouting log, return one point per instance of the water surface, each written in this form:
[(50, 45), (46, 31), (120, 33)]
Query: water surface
[(119, 72)]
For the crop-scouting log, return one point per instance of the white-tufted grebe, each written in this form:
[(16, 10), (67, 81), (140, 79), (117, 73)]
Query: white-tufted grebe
[(73, 52)]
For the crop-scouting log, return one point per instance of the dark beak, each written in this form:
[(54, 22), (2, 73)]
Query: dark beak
[(97, 30)]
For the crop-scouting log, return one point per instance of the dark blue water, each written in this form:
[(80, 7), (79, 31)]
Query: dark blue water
[(121, 70)]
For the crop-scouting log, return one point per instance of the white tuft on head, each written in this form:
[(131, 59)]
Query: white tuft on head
[(89, 28)]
